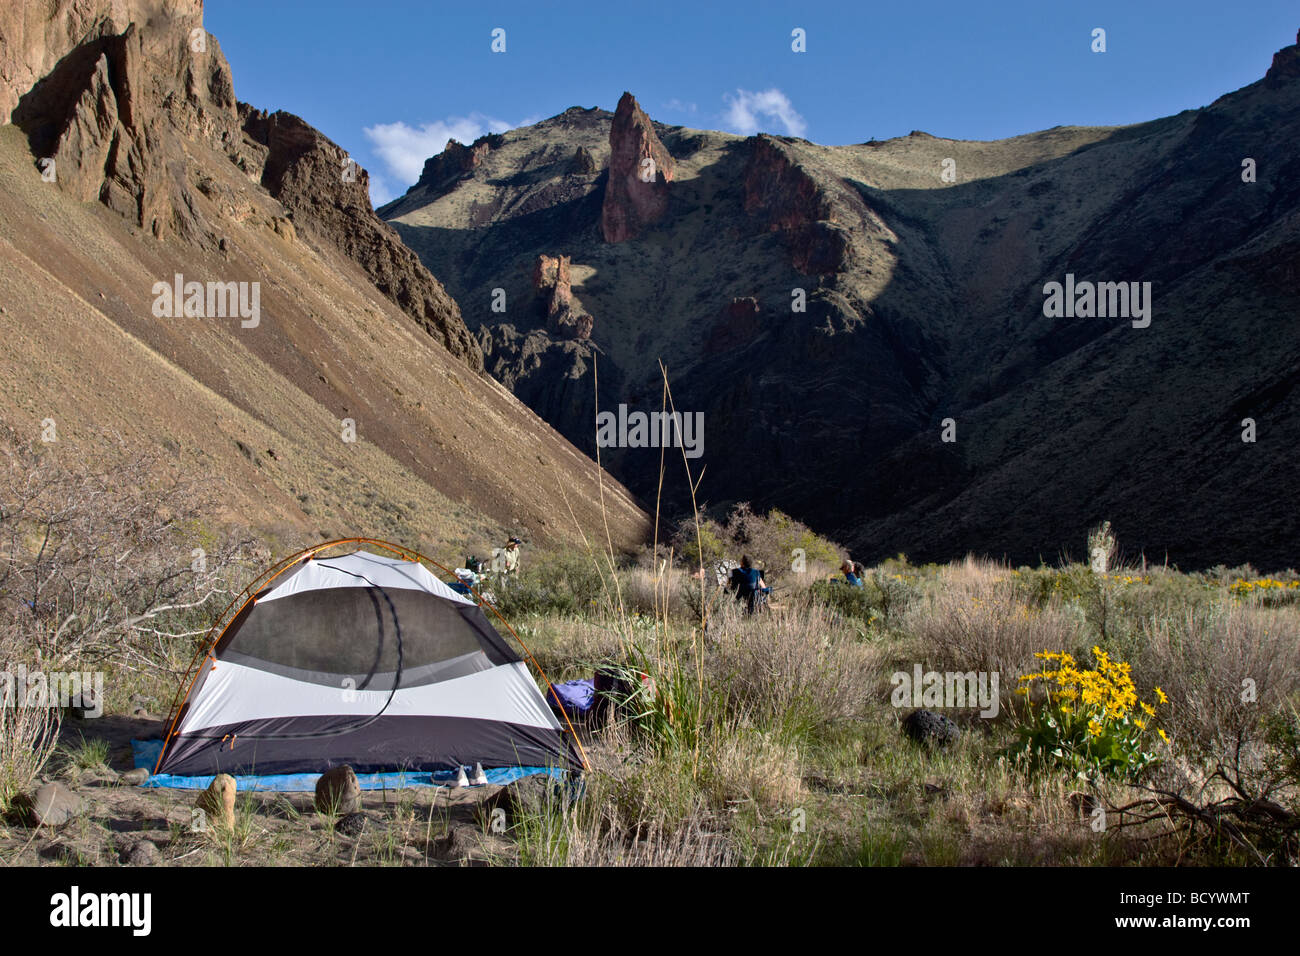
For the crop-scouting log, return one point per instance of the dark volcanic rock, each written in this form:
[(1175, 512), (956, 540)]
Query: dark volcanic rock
[(442, 172), (930, 728), (140, 853), (738, 325), (351, 824), (305, 171), (583, 161), (1286, 64), (785, 198)]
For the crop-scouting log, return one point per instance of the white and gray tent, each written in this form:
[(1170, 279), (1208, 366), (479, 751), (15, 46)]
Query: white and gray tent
[(361, 659)]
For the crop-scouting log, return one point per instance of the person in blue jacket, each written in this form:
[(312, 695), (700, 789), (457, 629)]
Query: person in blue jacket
[(850, 573), (747, 581)]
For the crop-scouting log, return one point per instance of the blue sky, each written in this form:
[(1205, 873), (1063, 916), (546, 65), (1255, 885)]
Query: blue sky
[(391, 80)]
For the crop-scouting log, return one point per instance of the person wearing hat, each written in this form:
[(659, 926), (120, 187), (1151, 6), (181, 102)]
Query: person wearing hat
[(505, 561), (511, 555)]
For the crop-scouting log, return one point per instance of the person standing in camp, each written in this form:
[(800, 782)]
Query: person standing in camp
[(748, 584), (505, 561)]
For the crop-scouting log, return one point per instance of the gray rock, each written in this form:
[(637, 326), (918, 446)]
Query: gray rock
[(930, 728), (338, 791), (351, 824), (140, 853), (134, 778), (52, 805)]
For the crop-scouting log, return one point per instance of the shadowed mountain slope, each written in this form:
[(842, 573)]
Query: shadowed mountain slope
[(924, 300)]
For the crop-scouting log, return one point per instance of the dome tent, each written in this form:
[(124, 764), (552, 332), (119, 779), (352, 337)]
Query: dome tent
[(360, 658)]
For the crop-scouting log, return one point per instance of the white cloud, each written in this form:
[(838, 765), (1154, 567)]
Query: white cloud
[(678, 106), (403, 149), (748, 112), (380, 191)]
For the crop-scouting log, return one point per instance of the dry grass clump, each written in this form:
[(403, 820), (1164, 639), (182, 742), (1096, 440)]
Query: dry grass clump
[(746, 765), (654, 590), (975, 620), (1225, 668), (797, 670), (605, 838), (569, 647), (28, 738)]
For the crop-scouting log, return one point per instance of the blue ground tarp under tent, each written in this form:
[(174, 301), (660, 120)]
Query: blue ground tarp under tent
[(145, 754)]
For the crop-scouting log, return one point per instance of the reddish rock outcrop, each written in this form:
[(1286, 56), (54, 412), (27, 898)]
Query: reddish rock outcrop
[(784, 198), (551, 280), (636, 194), (1286, 64)]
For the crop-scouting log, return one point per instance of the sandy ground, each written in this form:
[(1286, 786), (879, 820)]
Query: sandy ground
[(411, 827)]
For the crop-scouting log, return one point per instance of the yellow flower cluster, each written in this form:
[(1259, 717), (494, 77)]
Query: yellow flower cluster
[(1101, 694), (1243, 586), (1128, 578)]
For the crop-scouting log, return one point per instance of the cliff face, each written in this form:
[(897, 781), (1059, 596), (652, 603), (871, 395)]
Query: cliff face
[(115, 94), (785, 198), (442, 172), (828, 308), (330, 197), (99, 86), (326, 411)]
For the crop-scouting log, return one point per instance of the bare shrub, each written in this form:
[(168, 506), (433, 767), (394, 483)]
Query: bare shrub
[(105, 562)]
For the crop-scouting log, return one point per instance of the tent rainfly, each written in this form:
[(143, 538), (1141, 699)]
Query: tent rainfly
[(361, 659)]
